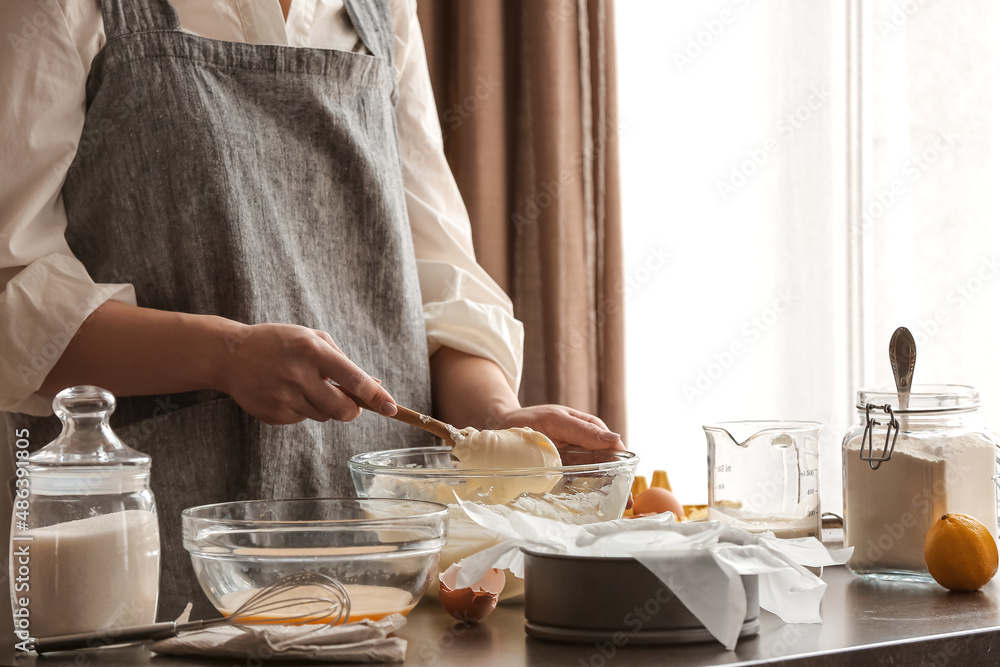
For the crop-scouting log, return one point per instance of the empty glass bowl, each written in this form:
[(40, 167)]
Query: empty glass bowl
[(591, 486), (384, 552)]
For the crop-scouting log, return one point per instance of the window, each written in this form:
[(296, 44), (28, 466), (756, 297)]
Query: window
[(798, 180)]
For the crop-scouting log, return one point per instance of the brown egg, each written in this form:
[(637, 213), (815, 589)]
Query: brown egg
[(656, 500), (474, 603)]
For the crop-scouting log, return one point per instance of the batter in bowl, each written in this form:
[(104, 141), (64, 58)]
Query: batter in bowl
[(507, 449)]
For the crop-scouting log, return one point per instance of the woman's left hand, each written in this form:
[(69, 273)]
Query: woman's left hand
[(564, 426), (472, 391)]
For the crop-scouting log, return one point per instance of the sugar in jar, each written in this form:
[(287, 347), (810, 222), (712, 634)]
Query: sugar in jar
[(905, 467), (84, 527)]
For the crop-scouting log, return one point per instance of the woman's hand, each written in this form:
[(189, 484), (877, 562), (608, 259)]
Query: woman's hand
[(564, 426), (279, 373), (276, 372), (472, 391)]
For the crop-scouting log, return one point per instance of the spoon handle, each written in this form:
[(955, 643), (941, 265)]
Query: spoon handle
[(411, 417), (902, 358)]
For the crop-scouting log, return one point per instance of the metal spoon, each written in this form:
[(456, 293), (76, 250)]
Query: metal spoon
[(902, 358)]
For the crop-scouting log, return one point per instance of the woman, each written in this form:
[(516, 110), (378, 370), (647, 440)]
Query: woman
[(243, 227)]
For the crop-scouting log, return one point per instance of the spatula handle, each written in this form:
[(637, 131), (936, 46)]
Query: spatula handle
[(411, 417)]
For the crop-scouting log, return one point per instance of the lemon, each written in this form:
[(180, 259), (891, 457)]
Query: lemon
[(960, 553)]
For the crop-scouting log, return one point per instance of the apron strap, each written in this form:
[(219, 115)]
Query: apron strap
[(128, 17), (373, 21)]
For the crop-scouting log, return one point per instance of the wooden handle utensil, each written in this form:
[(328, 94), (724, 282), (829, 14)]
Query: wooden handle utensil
[(411, 417)]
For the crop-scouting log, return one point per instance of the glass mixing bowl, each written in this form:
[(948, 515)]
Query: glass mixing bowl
[(589, 487), (384, 552)]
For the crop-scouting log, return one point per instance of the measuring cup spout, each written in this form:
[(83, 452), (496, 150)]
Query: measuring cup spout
[(721, 431)]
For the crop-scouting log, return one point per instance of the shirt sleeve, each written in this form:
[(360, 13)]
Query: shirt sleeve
[(464, 308), (47, 293)]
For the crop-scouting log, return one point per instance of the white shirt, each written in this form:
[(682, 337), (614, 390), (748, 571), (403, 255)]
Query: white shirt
[(47, 47)]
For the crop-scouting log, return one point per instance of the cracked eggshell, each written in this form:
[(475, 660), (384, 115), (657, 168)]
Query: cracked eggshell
[(474, 603)]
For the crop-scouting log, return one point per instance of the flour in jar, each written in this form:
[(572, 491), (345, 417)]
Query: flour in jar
[(888, 511), (72, 587)]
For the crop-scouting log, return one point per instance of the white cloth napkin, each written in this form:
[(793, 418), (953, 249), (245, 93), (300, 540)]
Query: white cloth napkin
[(364, 641), (710, 588)]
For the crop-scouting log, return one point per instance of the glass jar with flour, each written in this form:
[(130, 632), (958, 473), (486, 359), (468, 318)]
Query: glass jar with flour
[(85, 543), (905, 467)]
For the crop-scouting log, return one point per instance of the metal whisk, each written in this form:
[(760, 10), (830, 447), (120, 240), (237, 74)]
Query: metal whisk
[(325, 601)]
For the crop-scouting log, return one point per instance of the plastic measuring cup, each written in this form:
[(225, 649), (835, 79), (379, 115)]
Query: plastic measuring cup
[(764, 476)]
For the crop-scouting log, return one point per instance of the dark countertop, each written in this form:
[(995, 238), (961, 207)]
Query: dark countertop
[(864, 623)]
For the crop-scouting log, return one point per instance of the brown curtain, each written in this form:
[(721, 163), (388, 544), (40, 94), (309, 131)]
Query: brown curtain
[(526, 93)]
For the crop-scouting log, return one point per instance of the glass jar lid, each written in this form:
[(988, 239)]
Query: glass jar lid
[(86, 438), (924, 398)]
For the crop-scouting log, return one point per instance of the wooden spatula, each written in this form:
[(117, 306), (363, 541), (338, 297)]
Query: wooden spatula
[(411, 417)]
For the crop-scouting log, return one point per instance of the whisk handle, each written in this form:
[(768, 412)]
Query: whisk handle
[(105, 638)]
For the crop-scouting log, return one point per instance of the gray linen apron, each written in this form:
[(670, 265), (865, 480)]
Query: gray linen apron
[(263, 184)]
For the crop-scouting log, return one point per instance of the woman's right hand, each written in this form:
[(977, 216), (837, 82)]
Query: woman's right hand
[(276, 372), (279, 373)]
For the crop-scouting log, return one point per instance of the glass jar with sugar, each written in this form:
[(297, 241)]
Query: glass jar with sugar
[(905, 467), (84, 536)]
